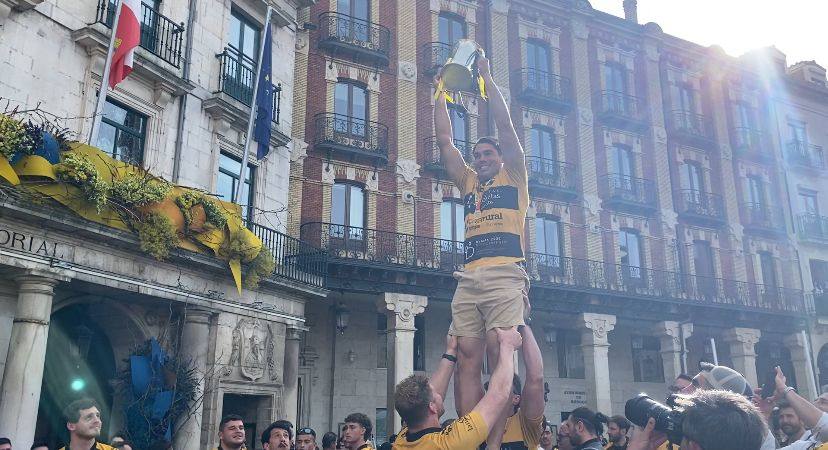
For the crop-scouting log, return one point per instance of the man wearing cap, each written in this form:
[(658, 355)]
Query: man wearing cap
[(719, 377), (306, 439)]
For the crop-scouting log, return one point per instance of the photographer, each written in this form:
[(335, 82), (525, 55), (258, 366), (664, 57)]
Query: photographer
[(710, 420), (814, 419)]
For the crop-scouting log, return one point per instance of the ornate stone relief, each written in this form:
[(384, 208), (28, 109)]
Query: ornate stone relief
[(406, 306), (252, 350), (586, 117), (407, 71), (600, 324), (299, 151), (408, 169)]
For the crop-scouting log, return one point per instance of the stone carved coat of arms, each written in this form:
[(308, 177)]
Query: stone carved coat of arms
[(253, 349)]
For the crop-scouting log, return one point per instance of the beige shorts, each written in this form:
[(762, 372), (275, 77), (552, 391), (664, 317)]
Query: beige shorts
[(486, 298)]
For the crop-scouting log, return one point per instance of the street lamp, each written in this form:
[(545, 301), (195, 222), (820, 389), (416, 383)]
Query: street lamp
[(343, 315)]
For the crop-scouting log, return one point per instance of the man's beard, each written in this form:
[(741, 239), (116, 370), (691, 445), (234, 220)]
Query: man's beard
[(91, 434), (575, 439), (789, 430)]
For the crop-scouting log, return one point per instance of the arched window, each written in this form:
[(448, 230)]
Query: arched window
[(351, 108), (450, 28), (543, 143), (347, 212)]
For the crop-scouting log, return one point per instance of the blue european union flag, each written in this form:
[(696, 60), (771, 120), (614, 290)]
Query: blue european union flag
[(264, 99)]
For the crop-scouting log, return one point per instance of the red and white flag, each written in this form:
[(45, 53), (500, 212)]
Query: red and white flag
[(127, 37)]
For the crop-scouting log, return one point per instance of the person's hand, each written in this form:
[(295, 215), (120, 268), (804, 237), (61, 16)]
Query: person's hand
[(509, 338), (765, 405), (483, 66), (781, 383), (436, 80), (647, 438), (451, 345)]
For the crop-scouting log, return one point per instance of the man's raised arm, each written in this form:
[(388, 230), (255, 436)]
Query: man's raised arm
[(450, 156), (509, 142), (441, 377), (499, 394), (531, 399)]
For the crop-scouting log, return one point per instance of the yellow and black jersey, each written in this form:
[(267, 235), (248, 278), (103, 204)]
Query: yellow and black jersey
[(522, 433), (97, 446), (494, 215), (466, 433)]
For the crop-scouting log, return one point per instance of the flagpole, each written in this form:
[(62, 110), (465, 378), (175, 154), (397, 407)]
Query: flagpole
[(99, 105), (252, 120)]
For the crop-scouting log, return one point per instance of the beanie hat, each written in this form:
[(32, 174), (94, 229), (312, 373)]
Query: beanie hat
[(725, 378)]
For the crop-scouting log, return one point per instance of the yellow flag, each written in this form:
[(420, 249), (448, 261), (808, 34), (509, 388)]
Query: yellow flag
[(235, 267), (7, 173)]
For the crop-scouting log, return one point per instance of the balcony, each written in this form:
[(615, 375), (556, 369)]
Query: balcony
[(692, 129), (364, 246), (364, 41), (295, 260), (231, 101), (805, 155), (749, 143), (351, 136), (634, 195), (434, 55), (623, 111), (543, 90), (159, 35), (629, 281), (812, 228), (159, 57), (550, 178), (763, 219), (701, 207), (432, 161)]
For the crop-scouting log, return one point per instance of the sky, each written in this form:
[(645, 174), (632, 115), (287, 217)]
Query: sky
[(796, 27)]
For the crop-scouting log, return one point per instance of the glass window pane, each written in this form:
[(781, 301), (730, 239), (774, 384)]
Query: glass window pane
[(114, 113), (540, 235), (224, 187), (443, 30), (356, 213), (251, 38), (552, 233), (106, 138), (338, 204), (458, 30), (459, 222), (534, 149), (360, 103), (633, 251), (235, 31), (446, 220), (531, 61)]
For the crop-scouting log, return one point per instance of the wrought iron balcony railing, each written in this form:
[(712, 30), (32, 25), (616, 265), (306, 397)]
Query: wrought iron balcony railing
[(295, 260), (434, 55), (564, 272), (385, 248), (159, 35), (812, 227), (236, 76), (622, 191), (550, 177), (621, 110), (693, 128), (364, 39), (543, 89), (338, 132), (433, 160), (807, 155), (701, 205), (749, 142), (762, 217)]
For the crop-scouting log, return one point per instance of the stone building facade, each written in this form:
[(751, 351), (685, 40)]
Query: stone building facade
[(658, 233), (76, 299)]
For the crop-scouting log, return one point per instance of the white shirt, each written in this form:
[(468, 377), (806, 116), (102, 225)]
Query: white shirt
[(810, 439)]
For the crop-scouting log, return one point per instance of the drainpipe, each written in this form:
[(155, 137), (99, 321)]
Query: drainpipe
[(490, 128), (182, 108), (335, 332), (713, 349)]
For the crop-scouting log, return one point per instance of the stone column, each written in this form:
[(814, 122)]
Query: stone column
[(401, 311), (803, 370), (595, 346), (290, 395), (669, 333), (195, 338), (23, 374), (742, 342)]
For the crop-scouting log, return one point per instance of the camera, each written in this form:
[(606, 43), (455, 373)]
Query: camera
[(668, 419)]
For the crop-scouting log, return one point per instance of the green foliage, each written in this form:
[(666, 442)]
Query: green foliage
[(79, 171), (262, 266), (135, 190), (189, 199), (157, 235), (13, 137)]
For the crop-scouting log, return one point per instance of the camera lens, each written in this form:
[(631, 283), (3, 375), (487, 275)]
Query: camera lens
[(640, 408)]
